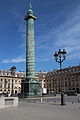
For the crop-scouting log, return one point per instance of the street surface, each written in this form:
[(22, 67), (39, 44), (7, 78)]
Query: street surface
[(43, 111)]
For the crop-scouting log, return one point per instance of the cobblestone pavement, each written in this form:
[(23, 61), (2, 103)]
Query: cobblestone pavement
[(41, 111)]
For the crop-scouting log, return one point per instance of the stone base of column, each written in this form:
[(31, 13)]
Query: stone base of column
[(34, 89), (31, 88)]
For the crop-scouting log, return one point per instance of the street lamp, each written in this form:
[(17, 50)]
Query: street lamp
[(60, 57)]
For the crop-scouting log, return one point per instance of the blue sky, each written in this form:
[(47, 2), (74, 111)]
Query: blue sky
[(57, 27)]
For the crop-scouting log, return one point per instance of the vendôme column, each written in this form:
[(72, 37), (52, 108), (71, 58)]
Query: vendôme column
[(31, 85)]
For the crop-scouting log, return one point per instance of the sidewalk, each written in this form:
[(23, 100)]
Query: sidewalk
[(41, 111)]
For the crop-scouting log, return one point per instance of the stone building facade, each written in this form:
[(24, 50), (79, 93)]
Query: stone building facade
[(63, 80), (11, 80), (56, 80), (41, 77)]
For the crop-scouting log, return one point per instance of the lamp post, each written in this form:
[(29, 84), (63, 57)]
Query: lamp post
[(60, 57), (23, 88)]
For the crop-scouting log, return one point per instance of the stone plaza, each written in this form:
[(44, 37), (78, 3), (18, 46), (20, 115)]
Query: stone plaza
[(48, 110)]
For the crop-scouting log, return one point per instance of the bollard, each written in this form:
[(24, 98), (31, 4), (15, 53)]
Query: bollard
[(72, 102), (78, 100), (41, 99), (62, 99)]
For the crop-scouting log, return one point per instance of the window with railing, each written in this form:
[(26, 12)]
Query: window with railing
[(8, 85), (0, 85)]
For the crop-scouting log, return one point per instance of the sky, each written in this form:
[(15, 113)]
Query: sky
[(57, 27)]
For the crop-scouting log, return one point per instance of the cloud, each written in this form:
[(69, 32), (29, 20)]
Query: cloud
[(65, 36), (44, 59), (14, 60), (68, 35)]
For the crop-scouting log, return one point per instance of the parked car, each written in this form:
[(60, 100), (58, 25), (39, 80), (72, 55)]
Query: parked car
[(49, 94), (2, 94), (71, 93), (20, 95), (52, 94)]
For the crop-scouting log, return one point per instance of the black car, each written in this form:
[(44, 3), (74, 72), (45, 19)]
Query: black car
[(71, 93)]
